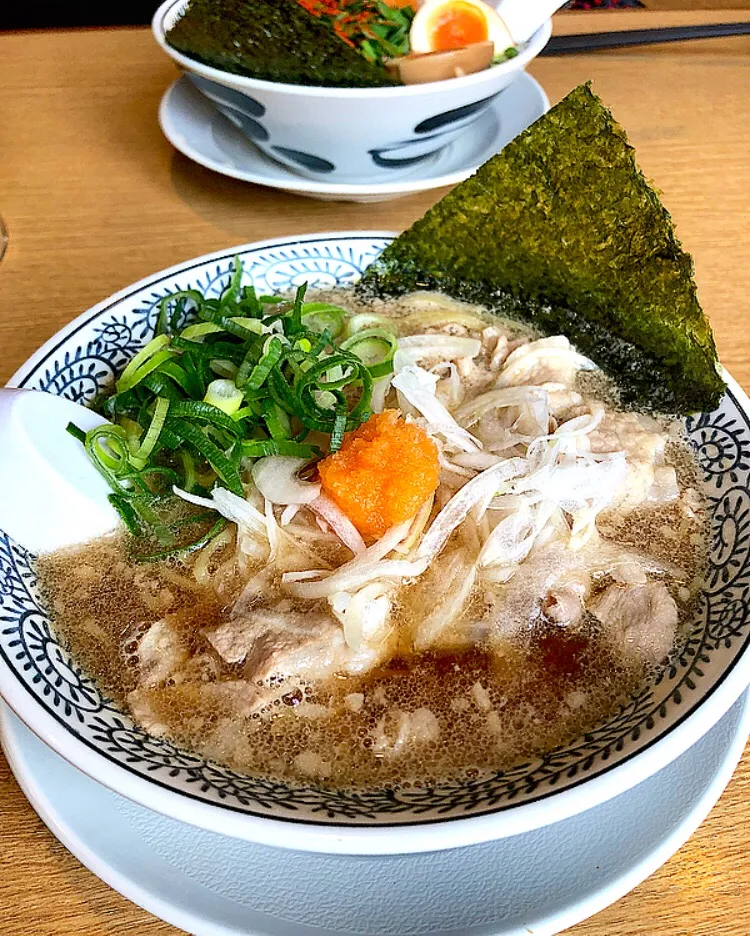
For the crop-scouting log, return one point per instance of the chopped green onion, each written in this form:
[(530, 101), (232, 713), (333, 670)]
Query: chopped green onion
[(107, 446), (200, 330), (375, 347), (188, 470), (121, 503), (195, 371), (322, 316), (272, 351), (236, 326), (209, 351), (223, 467), (165, 319), (140, 456), (184, 380), (224, 395), (178, 551), (126, 380), (244, 412), (158, 384), (339, 424), (224, 368), (363, 320), (76, 432), (277, 421), (294, 321), (316, 416), (259, 449), (247, 376), (152, 364), (232, 293), (205, 412)]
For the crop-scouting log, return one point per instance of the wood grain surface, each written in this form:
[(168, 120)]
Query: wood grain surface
[(95, 198)]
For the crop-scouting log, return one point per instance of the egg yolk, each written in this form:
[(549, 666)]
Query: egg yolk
[(457, 25), (382, 474)]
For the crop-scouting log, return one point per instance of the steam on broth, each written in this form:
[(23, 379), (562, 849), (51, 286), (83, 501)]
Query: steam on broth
[(545, 562)]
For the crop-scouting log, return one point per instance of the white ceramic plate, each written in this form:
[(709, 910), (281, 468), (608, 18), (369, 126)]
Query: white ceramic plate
[(195, 128), (541, 882)]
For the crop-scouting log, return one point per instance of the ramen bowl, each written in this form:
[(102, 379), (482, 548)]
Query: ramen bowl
[(348, 134), (65, 708)]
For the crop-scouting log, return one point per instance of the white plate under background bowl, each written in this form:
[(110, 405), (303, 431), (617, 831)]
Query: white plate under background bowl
[(65, 708), (540, 883), (199, 131)]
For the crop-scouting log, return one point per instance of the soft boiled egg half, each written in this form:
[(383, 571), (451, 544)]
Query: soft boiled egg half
[(442, 25)]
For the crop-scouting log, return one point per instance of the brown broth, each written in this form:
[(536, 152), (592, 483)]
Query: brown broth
[(494, 709)]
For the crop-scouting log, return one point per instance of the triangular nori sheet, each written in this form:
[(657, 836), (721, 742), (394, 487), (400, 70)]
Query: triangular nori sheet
[(562, 230), (276, 40)]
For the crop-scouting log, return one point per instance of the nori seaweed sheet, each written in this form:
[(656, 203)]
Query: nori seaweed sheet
[(562, 230), (275, 40)]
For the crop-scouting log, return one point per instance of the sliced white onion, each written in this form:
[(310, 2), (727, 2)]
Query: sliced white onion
[(276, 477), (571, 430), (380, 390), (416, 527), (533, 399), (476, 460), (447, 347), (511, 541), (288, 514), (350, 579), (273, 531), (457, 587), (436, 310), (364, 615), (458, 507), (576, 484), (338, 522), (554, 352), (449, 389), (229, 505), (364, 568), (304, 576), (390, 540), (418, 387), (402, 359)]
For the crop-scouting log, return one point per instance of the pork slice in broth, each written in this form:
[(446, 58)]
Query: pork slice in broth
[(285, 646), (160, 652), (649, 479), (641, 620)]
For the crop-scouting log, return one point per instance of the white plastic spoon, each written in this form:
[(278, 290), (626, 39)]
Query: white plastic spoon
[(522, 18), (51, 494)]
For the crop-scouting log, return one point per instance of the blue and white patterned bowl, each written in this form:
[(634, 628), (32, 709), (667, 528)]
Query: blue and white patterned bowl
[(67, 710), (348, 134)]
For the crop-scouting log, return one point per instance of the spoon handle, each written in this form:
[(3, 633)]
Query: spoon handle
[(522, 18)]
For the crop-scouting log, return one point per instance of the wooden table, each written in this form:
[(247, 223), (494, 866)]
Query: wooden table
[(95, 199)]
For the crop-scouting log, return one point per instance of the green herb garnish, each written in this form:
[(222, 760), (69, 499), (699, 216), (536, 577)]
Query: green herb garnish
[(174, 422), (377, 30)]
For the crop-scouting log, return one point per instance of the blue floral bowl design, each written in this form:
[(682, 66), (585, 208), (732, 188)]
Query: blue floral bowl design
[(67, 710)]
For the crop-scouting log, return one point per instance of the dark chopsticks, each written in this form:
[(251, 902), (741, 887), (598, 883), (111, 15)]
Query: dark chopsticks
[(589, 42)]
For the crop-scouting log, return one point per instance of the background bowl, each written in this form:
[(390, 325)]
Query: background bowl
[(348, 134), (66, 709)]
